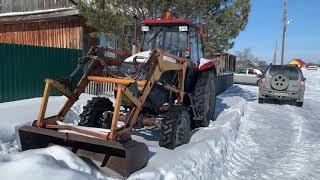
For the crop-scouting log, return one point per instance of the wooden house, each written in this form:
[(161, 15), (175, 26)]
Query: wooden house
[(49, 23)]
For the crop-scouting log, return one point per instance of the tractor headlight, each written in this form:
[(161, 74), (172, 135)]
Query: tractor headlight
[(145, 28)]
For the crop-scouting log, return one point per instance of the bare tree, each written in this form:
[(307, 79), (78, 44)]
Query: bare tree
[(245, 55), (245, 58)]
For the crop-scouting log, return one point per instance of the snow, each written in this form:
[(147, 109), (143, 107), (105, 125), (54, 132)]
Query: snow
[(36, 12), (278, 141), (48, 163), (17, 113), (205, 155), (247, 141), (143, 57)]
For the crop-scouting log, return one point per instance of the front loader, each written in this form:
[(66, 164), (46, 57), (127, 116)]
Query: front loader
[(169, 84), (112, 147)]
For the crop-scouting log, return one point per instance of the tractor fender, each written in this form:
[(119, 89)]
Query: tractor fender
[(206, 65)]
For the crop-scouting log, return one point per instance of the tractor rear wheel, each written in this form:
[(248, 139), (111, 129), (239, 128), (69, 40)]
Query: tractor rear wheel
[(175, 128), (205, 98), (91, 115)]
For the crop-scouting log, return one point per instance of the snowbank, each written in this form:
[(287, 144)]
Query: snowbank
[(202, 158), (312, 84), (17, 113), (54, 162), (205, 155), (48, 163)]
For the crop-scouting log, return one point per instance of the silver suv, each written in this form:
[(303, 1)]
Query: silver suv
[(282, 82)]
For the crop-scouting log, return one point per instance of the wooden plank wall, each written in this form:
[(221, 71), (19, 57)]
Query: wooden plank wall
[(61, 33), (7, 6)]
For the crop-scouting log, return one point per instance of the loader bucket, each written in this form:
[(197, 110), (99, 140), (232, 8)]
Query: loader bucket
[(122, 158)]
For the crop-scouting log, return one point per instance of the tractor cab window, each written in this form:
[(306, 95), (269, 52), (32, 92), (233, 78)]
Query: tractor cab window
[(167, 38), (196, 46), (200, 47), (194, 54)]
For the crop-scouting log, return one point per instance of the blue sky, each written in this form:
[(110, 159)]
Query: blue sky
[(265, 27)]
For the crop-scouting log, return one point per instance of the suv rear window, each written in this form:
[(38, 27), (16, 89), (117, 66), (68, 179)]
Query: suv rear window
[(290, 71)]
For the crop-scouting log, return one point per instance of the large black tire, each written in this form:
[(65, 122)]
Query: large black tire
[(175, 128), (205, 98), (91, 115)]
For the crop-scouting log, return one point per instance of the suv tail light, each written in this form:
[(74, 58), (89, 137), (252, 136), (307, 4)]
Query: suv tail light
[(302, 82), (263, 79)]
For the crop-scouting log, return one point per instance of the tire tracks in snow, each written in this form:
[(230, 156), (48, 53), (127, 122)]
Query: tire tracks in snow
[(275, 142)]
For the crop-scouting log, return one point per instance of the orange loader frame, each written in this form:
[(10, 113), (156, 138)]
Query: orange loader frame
[(92, 74)]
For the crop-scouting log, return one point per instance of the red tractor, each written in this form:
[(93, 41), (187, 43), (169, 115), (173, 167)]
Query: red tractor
[(169, 80)]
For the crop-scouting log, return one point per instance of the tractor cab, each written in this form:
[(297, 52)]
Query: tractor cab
[(176, 36)]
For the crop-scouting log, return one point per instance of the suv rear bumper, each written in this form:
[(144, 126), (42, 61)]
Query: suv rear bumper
[(290, 95)]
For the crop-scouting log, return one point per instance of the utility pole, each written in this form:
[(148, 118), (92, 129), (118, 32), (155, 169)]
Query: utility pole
[(284, 31), (275, 54)]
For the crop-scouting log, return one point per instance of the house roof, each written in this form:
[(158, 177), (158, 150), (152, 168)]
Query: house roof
[(31, 10), (10, 18), (301, 62)]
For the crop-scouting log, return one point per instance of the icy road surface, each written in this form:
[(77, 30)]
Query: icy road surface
[(278, 141), (247, 141)]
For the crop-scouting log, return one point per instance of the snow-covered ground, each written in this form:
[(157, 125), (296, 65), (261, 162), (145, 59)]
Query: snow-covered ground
[(247, 141), (278, 141)]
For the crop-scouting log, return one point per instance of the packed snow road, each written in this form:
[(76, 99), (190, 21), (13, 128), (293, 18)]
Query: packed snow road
[(278, 141), (247, 141)]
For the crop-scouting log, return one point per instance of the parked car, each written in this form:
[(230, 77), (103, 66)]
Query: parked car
[(282, 82), (312, 68), (247, 76)]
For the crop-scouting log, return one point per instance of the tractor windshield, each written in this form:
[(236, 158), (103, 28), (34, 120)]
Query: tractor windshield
[(166, 38)]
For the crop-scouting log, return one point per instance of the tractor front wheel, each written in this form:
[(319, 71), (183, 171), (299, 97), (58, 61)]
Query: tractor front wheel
[(91, 115), (175, 128)]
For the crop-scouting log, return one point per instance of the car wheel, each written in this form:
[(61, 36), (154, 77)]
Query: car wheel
[(261, 100), (300, 104)]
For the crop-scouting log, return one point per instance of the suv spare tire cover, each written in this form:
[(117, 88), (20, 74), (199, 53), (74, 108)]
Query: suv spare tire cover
[(279, 82)]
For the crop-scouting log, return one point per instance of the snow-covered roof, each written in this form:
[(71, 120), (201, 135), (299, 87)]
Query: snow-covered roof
[(36, 12)]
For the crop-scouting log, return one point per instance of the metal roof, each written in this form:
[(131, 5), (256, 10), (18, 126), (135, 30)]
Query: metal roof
[(167, 21)]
